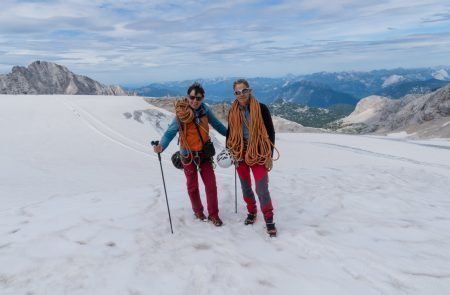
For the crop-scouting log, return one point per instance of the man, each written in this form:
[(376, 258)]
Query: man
[(191, 122), (251, 139)]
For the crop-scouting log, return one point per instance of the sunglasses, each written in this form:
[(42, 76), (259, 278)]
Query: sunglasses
[(198, 98), (243, 91)]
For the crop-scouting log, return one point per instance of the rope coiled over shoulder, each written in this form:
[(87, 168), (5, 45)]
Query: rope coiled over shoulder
[(184, 114), (183, 111), (259, 147)]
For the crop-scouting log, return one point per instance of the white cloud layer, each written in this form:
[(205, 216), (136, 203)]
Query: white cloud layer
[(143, 41)]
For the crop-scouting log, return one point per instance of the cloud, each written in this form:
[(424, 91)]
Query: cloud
[(438, 17), (178, 39)]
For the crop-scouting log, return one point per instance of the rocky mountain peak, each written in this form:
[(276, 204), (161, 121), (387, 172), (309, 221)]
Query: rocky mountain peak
[(42, 77), (423, 116)]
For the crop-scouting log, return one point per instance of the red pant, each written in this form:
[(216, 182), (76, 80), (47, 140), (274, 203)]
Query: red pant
[(209, 179), (262, 189)]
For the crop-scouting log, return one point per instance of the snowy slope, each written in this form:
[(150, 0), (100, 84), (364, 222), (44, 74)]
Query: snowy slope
[(82, 210)]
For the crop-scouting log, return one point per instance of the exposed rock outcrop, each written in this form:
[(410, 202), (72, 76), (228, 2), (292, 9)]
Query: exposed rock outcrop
[(423, 116), (43, 77)]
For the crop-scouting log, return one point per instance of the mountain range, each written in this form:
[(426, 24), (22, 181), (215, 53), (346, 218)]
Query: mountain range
[(412, 100), (422, 116), (321, 89), (42, 77)]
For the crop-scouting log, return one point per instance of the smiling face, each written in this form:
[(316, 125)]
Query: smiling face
[(242, 93), (195, 100)]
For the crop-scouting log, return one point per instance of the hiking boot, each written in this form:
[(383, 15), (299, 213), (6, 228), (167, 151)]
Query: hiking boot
[(271, 229), (200, 216), (251, 218), (215, 220)]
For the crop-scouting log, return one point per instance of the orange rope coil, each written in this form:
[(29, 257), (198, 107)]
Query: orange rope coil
[(183, 111), (185, 114), (259, 147)]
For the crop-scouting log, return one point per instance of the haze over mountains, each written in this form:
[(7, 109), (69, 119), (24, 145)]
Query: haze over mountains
[(324, 100), (319, 89), (42, 77), (412, 100), (315, 90)]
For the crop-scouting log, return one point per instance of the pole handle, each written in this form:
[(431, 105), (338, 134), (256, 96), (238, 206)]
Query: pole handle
[(154, 143)]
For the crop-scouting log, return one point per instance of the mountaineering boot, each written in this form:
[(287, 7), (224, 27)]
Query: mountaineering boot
[(200, 216), (251, 218), (215, 220), (271, 229)]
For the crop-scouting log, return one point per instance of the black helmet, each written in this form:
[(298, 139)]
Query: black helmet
[(176, 160)]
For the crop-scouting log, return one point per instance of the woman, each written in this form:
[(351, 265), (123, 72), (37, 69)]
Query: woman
[(251, 139), (191, 122)]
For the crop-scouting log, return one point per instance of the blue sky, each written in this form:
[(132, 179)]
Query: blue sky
[(142, 41)]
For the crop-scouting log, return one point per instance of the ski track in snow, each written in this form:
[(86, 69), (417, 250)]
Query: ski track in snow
[(352, 228), (103, 129), (386, 156), (445, 147)]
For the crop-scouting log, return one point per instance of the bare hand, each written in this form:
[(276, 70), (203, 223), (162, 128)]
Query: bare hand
[(157, 148)]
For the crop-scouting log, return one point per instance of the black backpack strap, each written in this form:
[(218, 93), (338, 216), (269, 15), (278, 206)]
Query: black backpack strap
[(199, 134)]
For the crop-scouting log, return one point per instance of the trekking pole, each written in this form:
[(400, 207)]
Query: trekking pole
[(235, 191), (154, 143)]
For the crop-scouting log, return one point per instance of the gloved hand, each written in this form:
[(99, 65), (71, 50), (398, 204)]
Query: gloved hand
[(269, 164)]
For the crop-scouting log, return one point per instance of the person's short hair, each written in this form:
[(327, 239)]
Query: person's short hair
[(197, 88), (241, 81)]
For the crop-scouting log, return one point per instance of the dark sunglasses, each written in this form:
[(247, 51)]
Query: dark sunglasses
[(243, 91), (198, 98)]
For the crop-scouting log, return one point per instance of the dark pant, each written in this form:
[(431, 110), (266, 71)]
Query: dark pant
[(262, 189), (209, 179)]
